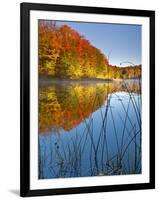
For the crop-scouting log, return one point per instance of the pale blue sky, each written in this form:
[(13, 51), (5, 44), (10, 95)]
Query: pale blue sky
[(122, 42)]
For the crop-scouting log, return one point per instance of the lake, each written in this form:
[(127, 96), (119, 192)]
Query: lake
[(89, 128)]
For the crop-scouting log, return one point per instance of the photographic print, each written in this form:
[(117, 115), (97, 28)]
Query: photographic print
[(87, 99)]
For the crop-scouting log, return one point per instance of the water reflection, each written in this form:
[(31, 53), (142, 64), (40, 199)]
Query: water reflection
[(66, 105), (89, 129)]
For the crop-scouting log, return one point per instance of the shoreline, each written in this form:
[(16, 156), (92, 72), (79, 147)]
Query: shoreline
[(84, 80), (62, 80)]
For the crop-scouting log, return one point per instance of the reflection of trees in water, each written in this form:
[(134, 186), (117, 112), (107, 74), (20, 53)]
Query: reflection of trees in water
[(64, 106), (111, 147)]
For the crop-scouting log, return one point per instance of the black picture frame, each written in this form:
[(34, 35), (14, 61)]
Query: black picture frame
[(25, 9)]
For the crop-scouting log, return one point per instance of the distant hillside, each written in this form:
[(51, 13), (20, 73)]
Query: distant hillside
[(125, 72), (64, 53)]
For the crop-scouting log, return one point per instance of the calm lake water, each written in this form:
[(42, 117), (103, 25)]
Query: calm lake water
[(89, 128)]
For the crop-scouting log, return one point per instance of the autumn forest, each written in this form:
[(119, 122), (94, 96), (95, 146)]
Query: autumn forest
[(89, 103), (64, 53)]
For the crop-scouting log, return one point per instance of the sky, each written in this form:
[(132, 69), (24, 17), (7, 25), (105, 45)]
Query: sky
[(122, 43)]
